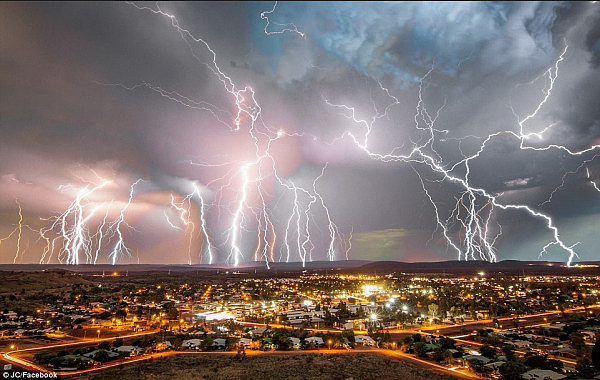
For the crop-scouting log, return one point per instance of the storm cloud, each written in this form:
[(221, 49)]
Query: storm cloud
[(79, 101)]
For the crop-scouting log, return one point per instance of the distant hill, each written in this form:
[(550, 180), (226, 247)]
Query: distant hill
[(350, 266), (472, 267)]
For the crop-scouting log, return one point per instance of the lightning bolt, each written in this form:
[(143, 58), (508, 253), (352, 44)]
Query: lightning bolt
[(564, 178), (289, 27), (71, 227), (183, 207), (251, 174), (594, 184), (119, 249), (474, 225), (17, 230)]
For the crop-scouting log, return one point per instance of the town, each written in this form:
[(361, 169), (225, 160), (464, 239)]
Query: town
[(469, 326)]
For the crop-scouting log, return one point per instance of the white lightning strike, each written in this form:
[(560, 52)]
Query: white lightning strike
[(72, 229), (119, 249), (183, 207), (594, 184), (18, 230), (288, 27), (475, 227), (250, 174), (564, 178)]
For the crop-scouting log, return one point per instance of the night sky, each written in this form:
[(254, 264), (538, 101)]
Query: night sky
[(104, 94)]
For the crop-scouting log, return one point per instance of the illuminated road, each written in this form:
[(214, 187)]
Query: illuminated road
[(459, 330), (453, 371), (8, 356), (87, 341), (522, 353)]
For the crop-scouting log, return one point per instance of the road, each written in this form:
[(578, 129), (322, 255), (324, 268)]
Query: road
[(11, 358), (452, 371)]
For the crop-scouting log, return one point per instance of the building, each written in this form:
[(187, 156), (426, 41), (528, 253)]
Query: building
[(543, 374), (316, 340), (364, 340)]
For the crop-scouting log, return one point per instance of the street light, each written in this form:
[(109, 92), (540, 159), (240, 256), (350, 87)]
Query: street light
[(329, 342), (98, 331)]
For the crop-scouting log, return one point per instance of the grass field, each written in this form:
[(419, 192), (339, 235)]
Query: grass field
[(270, 367)]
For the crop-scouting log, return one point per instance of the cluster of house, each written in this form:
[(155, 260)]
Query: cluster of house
[(544, 341), (13, 326), (260, 340)]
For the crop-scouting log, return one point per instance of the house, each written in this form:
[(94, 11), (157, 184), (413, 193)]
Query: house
[(267, 344), (588, 335), (295, 342), (246, 342), (493, 366), (481, 358), (543, 374), (259, 331), (162, 346), (316, 340), (131, 350), (521, 343), (191, 344), (219, 344), (365, 340), (10, 315), (348, 325), (111, 354)]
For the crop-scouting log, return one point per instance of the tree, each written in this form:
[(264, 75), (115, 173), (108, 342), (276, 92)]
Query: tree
[(493, 310), (509, 352), (487, 351), (104, 345), (446, 342), (438, 354), (206, 343), (448, 357), (407, 342), (281, 341), (343, 311), (433, 309), (476, 365), (117, 342), (596, 354), (542, 361), (577, 340), (584, 366), (121, 314), (420, 349), (512, 370), (101, 356)]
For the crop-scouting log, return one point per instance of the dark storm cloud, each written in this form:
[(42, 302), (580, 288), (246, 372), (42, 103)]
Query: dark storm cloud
[(59, 111)]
